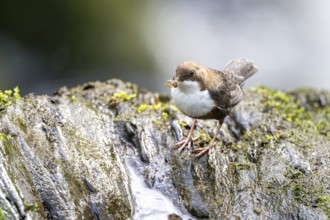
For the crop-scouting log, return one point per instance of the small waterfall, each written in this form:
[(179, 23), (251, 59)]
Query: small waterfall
[(150, 204)]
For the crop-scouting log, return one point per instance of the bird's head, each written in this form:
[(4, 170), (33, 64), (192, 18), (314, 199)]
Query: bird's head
[(187, 72)]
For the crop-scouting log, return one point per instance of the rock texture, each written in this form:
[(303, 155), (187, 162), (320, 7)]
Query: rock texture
[(66, 156)]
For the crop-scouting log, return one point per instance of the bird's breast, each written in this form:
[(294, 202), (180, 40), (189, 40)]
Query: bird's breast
[(192, 101)]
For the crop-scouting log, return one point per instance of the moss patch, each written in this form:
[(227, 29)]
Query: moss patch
[(122, 96), (144, 107), (9, 97), (5, 137), (2, 214), (31, 207), (257, 211), (288, 108), (118, 208), (286, 118), (181, 123), (282, 104)]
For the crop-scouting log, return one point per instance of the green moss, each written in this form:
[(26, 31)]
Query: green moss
[(241, 166), (181, 123), (326, 112), (322, 201), (203, 137), (161, 108), (118, 208), (16, 93), (323, 127), (293, 173), (239, 146), (173, 108), (73, 98), (75, 185), (165, 116), (268, 138), (22, 125), (298, 190), (31, 207), (235, 147), (293, 121), (257, 211), (123, 117), (122, 96), (9, 97), (2, 214), (280, 103), (20, 172), (144, 107), (117, 118), (5, 137)]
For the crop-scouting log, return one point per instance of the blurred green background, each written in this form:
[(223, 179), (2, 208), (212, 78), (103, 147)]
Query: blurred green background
[(47, 44)]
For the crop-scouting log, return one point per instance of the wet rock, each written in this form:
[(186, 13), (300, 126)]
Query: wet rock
[(71, 156)]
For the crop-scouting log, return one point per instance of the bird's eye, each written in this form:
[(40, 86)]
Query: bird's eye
[(191, 73)]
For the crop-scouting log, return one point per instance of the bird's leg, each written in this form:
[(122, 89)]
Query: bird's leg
[(203, 150), (186, 143)]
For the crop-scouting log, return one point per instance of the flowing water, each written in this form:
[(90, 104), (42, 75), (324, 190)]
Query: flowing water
[(150, 203)]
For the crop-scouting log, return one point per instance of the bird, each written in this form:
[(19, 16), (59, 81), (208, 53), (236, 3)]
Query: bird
[(205, 93)]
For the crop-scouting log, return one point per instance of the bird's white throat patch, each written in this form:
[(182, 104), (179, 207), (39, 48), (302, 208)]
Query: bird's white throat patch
[(189, 98)]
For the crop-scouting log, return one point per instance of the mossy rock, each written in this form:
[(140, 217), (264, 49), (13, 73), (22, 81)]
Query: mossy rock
[(65, 156)]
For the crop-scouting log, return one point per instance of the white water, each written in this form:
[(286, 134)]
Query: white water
[(150, 203)]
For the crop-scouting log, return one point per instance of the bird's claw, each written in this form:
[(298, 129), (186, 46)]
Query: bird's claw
[(185, 143), (198, 152)]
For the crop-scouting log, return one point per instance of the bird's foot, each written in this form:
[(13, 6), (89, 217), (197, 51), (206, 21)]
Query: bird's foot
[(185, 143), (199, 152)]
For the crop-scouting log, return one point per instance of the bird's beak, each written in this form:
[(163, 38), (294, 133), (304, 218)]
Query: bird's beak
[(173, 83)]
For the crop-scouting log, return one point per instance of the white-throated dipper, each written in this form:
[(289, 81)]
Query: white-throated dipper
[(204, 93)]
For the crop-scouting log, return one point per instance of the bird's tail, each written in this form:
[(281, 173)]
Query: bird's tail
[(243, 68)]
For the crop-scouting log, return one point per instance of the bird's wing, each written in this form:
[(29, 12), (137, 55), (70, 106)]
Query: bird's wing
[(236, 95), (242, 68), (228, 93)]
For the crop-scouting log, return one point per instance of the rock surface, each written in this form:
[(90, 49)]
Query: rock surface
[(68, 156)]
